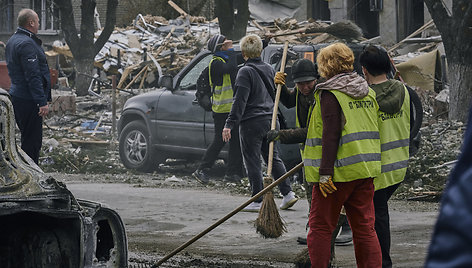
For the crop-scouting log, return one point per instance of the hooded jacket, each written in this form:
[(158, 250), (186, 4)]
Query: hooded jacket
[(351, 84), (390, 95)]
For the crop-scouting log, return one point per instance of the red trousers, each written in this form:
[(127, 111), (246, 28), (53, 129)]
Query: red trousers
[(357, 198)]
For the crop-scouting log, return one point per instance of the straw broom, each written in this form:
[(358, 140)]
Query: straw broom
[(346, 30), (269, 223)]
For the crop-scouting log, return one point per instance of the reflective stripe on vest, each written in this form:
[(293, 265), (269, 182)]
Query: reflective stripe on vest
[(222, 98), (358, 155), (395, 141)]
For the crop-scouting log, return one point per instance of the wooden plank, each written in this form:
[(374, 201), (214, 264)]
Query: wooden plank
[(144, 77), (136, 77), (177, 8), (89, 144), (421, 29), (164, 43)]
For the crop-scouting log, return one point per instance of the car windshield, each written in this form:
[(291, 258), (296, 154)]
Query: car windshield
[(189, 81)]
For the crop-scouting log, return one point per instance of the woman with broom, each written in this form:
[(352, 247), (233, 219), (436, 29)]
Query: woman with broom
[(342, 156), (252, 109)]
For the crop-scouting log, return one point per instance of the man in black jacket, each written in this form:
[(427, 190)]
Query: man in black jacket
[(305, 76), (30, 81), (252, 109)]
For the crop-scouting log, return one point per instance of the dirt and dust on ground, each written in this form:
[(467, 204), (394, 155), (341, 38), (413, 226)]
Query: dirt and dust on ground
[(162, 211)]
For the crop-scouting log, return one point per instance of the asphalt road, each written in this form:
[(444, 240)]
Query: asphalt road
[(158, 220)]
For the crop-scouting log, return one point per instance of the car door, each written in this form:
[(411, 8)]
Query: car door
[(181, 120)]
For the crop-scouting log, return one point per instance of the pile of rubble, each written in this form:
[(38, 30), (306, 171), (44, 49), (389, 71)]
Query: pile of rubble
[(81, 141), (429, 169), (149, 48)]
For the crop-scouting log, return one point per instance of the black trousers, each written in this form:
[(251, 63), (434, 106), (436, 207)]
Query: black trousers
[(235, 159), (30, 125), (382, 221), (254, 143)]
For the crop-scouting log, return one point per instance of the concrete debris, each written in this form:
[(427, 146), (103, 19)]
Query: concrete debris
[(429, 169), (173, 178)]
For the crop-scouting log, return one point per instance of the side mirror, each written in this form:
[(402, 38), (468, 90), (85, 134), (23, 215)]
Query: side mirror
[(167, 82)]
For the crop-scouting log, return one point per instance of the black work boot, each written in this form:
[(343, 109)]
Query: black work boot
[(345, 237)]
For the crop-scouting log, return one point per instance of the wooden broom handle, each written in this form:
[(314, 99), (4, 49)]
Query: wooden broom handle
[(229, 215), (274, 113)]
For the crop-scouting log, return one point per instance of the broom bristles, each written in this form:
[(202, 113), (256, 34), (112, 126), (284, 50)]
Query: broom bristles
[(343, 29), (302, 260), (269, 223)]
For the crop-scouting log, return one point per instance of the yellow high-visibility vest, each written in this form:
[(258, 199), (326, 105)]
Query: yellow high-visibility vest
[(222, 98), (395, 141), (358, 155)]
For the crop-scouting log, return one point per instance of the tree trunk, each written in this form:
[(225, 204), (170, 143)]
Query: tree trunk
[(460, 94), (84, 48), (82, 82), (224, 12), (241, 19), (232, 25), (456, 33)]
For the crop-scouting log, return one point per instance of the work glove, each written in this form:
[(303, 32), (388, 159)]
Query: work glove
[(272, 135), (280, 78), (326, 185)]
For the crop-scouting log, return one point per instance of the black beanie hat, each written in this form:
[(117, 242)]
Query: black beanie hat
[(215, 41), (304, 70)]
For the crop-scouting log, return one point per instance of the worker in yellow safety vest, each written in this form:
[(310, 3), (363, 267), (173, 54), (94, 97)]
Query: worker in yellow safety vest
[(342, 157), (394, 127), (222, 74)]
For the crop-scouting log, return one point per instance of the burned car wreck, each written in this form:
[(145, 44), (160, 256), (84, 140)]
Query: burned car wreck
[(42, 224)]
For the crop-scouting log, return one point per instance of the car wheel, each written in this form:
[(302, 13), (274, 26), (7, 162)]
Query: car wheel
[(135, 147)]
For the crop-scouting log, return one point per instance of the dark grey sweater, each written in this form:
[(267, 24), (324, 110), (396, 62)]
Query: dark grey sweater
[(251, 98)]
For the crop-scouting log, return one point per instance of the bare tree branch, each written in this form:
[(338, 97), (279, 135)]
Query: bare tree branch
[(109, 25)]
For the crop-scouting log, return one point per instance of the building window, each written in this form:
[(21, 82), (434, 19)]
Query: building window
[(6, 16), (48, 14)]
